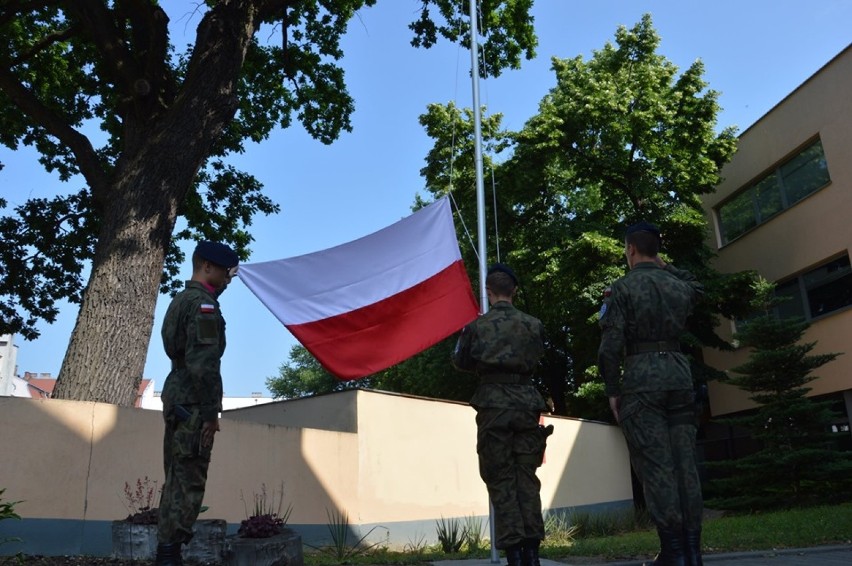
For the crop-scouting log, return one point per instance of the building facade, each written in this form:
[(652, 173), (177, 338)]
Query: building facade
[(784, 209)]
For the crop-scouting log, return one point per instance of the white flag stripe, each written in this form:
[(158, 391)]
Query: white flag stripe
[(358, 273)]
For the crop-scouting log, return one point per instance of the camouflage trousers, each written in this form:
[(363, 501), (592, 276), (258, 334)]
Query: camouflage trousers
[(660, 428), (185, 463), (510, 448)]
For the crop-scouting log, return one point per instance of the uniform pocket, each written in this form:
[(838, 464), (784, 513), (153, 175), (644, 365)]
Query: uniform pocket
[(629, 408), (207, 326), (187, 441)]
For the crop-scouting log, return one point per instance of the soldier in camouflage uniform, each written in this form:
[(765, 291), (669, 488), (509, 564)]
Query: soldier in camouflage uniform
[(503, 347), (194, 339), (642, 321)]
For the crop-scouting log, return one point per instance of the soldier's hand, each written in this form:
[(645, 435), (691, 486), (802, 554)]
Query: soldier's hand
[(208, 430), (613, 405)]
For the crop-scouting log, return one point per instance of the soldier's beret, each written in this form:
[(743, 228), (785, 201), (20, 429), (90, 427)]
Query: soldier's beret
[(644, 227), (217, 253), (502, 267)]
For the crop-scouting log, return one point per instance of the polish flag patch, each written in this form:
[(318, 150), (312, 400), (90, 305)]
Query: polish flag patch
[(208, 308)]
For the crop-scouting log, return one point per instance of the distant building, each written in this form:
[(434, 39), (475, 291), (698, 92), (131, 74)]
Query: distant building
[(155, 403), (8, 364), (40, 386)]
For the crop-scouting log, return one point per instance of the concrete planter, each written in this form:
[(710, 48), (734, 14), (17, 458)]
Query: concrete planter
[(284, 549), (139, 542)]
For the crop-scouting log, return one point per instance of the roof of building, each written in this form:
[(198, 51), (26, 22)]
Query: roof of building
[(42, 387)]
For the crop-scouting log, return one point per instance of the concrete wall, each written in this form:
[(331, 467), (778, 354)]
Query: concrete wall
[(803, 236), (411, 462)]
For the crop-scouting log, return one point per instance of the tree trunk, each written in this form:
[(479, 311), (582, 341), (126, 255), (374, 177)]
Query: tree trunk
[(109, 344), (106, 355)]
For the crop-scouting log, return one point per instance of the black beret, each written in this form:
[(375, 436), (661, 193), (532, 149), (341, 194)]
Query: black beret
[(217, 253), (502, 267), (644, 227)]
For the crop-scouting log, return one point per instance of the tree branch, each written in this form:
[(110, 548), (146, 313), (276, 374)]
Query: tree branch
[(46, 41), (95, 18), (87, 159)]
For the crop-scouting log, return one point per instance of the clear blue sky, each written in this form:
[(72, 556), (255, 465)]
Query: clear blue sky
[(755, 53)]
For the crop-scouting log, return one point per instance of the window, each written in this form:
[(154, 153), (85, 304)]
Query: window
[(781, 188), (818, 292)]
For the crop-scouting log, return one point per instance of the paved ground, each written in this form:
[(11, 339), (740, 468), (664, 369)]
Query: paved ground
[(821, 555)]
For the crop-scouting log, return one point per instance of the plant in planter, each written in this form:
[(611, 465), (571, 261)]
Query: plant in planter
[(266, 519), (140, 502), (263, 538), (135, 537)]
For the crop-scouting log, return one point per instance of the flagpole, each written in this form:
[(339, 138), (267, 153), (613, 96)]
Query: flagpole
[(480, 209), (477, 149)]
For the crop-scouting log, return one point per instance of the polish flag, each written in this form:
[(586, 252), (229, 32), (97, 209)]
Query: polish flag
[(366, 305)]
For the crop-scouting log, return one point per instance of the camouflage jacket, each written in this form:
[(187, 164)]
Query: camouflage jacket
[(194, 339), (502, 341), (649, 304)]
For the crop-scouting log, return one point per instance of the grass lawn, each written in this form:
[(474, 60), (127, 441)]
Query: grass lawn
[(761, 531)]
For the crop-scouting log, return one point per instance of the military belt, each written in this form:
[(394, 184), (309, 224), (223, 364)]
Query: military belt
[(506, 378), (645, 347)]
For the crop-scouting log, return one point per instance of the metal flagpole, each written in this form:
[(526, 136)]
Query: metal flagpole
[(480, 208)]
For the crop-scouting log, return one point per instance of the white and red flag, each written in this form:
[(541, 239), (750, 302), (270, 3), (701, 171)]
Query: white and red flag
[(366, 305)]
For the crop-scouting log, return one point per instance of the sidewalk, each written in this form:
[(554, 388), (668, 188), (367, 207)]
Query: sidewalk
[(823, 555)]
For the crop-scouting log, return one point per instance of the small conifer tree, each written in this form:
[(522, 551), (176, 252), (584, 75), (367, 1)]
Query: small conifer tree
[(799, 462)]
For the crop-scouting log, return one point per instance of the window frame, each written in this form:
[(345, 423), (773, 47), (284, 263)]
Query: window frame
[(803, 289), (750, 189)]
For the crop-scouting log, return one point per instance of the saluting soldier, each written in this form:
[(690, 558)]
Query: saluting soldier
[(642, 321), (194, 339), (504, 347)]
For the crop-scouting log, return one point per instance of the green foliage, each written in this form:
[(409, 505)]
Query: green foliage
[(339, 528), (474, 534), (7, 511), (451, 534), (302, 375), (622, 136), (799, 462), (266, 518), (558, 529), (506, 28)]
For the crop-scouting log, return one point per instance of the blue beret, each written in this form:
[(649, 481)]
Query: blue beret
[(644, 227), (217, 253), (503, 268)]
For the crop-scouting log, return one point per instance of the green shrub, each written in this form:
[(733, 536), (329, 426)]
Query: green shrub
[(7, 511)]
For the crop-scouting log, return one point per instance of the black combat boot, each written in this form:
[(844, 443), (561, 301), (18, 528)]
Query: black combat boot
[(514, 555), (693, 547), (671, 548), (168, 555), (530, 552)]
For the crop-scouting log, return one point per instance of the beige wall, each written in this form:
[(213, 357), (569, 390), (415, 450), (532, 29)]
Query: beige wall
[(411, 462), (804, 235)]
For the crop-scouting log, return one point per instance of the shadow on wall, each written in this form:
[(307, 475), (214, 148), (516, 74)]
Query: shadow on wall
[(394, 464)]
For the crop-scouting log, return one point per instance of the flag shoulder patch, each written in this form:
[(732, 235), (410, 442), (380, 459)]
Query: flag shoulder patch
[(207, 308)]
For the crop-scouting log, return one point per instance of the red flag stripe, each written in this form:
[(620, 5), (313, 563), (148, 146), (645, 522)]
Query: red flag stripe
[(393, 329)]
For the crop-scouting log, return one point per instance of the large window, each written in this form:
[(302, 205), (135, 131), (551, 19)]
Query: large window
[(781, 188), (817, 292)]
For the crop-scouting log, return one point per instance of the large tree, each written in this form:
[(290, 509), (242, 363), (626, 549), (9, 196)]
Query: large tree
[(164, 124), (622, 136)]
